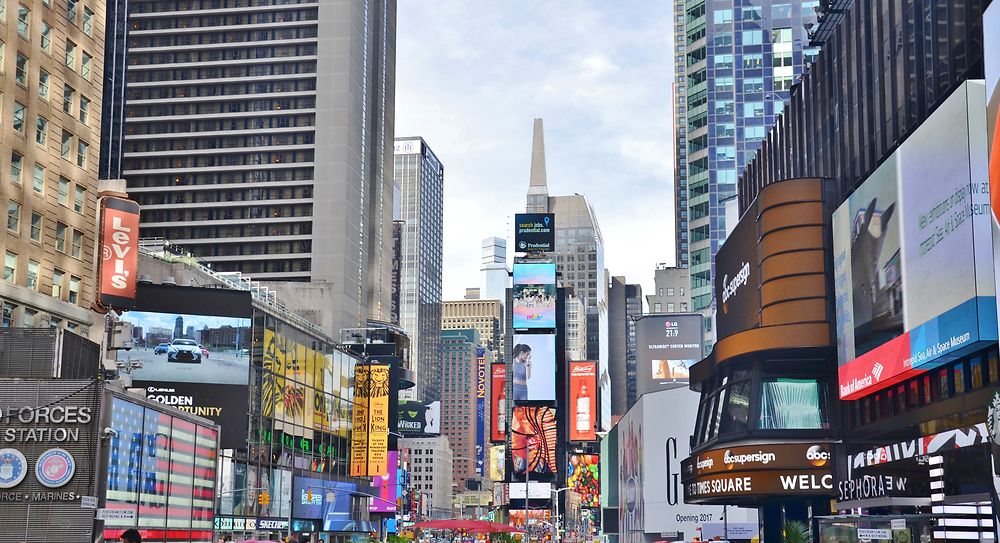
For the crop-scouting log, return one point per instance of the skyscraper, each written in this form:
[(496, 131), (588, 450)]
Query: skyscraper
[(272, 161), (680, 139), (420, 177), (624, 306), (741, 62), (459, 378), (494, 275), (486, 316), (579, 257)]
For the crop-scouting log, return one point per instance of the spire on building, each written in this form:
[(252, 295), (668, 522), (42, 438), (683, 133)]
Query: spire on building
[(538, 190)]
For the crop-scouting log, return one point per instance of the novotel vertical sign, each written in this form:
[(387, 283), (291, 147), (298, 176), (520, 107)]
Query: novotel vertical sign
[(118, 260), (480, 410)]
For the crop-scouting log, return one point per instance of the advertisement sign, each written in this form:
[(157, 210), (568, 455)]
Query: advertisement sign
[(498, 462), (419, 419), (903, 479), (535, 490), (799, 469), (738, 280), (520, 518), (534, 294), (762, 457), (384, 488), (118, 261), (370, 427), (533, 443), (534, 367), (222, 404), (328, 502), (583, 475), (582, 400), (535, 232), (498, 404), (912, 253), (631, 480), (991, 60), (480, 411), (666, 346)]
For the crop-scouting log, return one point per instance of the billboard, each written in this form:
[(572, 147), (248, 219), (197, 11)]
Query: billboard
[(385, 487), (219, 403), (480, 411), (991, 60), (738, 280), (498, 462), (534, 490), (582, 400), (118, 262), (328, 502), (533, 443), (498, 402), (534, 367), (534, 295), (755, 471), (419, 419), (370, 426), (913, 265), (535, 232), (583, 475), (666, 346)]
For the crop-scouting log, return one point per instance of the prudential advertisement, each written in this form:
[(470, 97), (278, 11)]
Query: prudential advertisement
[(912, 253)]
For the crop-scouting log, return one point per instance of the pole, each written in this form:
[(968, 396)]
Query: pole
[(557, 519)]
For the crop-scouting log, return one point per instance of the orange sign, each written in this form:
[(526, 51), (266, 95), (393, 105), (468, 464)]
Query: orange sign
[(118, 264), (370, 428), (582, 400)]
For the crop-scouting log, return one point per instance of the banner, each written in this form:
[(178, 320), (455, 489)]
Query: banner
[(498, 404), (535, 232), (370, 436), (534, 367), (583, 475), (534, 294), (533, 443), (419, 419), (666, 347), (118, 261), (498, 454), (480, 411), (582, 400)]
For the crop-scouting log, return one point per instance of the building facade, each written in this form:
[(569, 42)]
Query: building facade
[(671, 290), (679, 85), (742, 60), (575, 329), (272, 160), (494, 275), (624, 306), (52, 93), (464, 391), (420, 177), (431, 472), (486, 316)]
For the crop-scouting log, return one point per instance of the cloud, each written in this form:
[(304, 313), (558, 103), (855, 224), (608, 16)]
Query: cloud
[(471, 76)]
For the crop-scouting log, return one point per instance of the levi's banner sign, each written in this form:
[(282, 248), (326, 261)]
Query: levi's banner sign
[(118, 261), (582, 400)]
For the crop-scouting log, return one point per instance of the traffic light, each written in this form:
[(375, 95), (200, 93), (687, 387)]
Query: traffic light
[(264, 498)]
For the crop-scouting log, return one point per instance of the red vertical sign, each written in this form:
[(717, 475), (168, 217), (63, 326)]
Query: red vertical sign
[(498, 402), (582, 401), (118, 261)]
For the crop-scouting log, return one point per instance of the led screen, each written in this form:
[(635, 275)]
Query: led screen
[(533, 443), (534, 295), (533, 367)]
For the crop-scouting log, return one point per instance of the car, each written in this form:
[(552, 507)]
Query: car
[(204, 351), (184, 350), (161, 348)]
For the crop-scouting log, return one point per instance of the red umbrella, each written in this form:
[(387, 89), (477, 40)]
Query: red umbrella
[(470, 526)]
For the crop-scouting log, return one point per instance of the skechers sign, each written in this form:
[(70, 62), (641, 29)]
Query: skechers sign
[(913, 266)]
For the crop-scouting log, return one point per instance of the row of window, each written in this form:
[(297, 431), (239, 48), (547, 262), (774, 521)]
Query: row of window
[(229, 38), (229, 106), (262, 211), (264, 69), (72, 13), (236, 231), (263, 122), (234, 19), (229, 142), (22, 65), (253, 195), (228, 53), (231, 89), (60, 289), (38, 183), (68, 240)]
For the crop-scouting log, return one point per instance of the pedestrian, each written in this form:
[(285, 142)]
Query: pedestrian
[(130, 536)]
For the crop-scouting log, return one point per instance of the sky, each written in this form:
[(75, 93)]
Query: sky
[(471, 76)]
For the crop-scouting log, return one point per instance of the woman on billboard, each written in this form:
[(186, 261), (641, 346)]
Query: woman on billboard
[(522, 371)]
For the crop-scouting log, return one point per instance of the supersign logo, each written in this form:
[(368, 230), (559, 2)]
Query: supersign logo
[(729, 288), (119, 252)]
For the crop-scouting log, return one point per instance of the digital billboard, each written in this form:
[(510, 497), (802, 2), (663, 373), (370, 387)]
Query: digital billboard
[(533, 367), (533, 443), (481, 429), (666, 347), (582, 400), (370, 426), (498, 403), (991, 59), (535, 232), (328, 502), (583, 475), (419, 419), (498, 463), (913, 264), (534, 295), (385, 487), (118, 265)]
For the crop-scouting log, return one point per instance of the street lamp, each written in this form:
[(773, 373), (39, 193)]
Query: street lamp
[(557, 520)]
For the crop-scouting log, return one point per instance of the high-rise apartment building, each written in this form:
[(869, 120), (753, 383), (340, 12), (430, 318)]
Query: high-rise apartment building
[(52, 95), (258, 136), (624, 307), (460, 350), (680, 138), (742, 60), (486, 316), (494, 275), (431, 472), (420, 177), (579, 255)]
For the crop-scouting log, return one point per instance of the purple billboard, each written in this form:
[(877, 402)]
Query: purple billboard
[(384, 500)]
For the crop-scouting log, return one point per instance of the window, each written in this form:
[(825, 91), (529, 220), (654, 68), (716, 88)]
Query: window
[(64, 191), (725, 176), (670, 307), (84, 109), (724, 107), (32, 275), (88, 21), (46, 37), (657, 307), (723, 39), (13, 216), (724, 84), (61, 237), (85, 65), (781, 11), (16, 167), (41, 130), (670, 291), (10, 267), (81, 153), (57, 283), (43, 84), (721, 16), (781, 35), (74, 289), (71, 10), (38, 182), (684, 306), (793, 404), (736, 410), (725, 152), (753, 61), (723, 62), (23, 21), (67, 145), (751, 13), (36, 226), (753, 37), (68, 93), (754, 132), (783, 82), (809, 54), (2, 49), (782, 59), (8, 314), (79, 199), (76, 246), (70, 53), (753, 109), (21, 71), (777, 106)]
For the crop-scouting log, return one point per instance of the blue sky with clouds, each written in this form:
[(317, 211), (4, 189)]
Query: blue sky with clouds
[(471, 76)]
